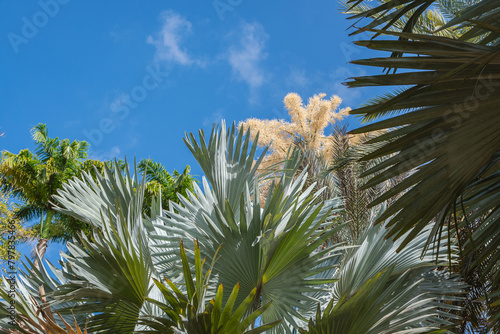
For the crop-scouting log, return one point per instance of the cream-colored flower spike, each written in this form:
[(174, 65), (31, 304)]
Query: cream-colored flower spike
[(307, 126)]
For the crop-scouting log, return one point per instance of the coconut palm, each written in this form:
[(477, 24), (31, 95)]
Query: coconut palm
[(445, 121), (132, 276)]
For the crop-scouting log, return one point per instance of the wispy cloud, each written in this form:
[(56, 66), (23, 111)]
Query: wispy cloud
[(245, 57), (168, 41)]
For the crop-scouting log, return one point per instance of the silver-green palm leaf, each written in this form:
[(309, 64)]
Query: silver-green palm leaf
[(382, 291), (272, 246)]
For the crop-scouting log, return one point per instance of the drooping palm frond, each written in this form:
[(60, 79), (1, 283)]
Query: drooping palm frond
[(428, 22), (46, 147), (445, 129)]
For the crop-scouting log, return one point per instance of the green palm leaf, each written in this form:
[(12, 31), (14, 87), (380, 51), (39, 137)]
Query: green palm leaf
[(194, 313)]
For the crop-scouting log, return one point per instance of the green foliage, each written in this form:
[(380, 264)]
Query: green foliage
[(162, 183), (131, 276), (344, 171), (11, 227), (382, 291), (34, 178), (359, 313), (193, 313), (275, 250)]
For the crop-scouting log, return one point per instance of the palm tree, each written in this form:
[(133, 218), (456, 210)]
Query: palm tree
[(445, 131), (132, 276), (343, 174), (35, 178), (194, 312), (160, 183)]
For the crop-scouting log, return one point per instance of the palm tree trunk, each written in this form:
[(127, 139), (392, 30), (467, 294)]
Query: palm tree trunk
[(41, 248)]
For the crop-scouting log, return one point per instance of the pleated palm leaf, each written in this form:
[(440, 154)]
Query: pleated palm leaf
[(113, 272), (273, 247), (274, 252), (34, 309), (38, 319), (193, 312), (109, 277), (445, 129)]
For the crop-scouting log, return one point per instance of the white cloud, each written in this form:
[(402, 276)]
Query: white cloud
[(168, 41), (246, 56)]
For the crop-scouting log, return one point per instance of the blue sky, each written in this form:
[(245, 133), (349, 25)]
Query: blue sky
[(131, 77)]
